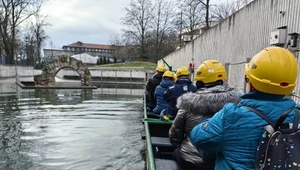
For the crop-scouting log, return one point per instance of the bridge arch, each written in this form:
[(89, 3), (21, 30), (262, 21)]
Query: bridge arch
[(47, 78)]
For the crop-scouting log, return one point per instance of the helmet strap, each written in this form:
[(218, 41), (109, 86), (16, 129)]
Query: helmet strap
[(199, 84), (218, 82), (251, 87)]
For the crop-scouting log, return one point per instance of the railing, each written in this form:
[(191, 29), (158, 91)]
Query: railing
[(296, 98)]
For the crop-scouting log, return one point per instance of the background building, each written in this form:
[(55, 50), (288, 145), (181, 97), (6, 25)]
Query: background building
[(96, 50)]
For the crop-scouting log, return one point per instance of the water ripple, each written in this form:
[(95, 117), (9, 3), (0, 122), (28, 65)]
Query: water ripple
[(70, 131)]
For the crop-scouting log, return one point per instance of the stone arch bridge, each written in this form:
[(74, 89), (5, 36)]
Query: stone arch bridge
[(47, 78)]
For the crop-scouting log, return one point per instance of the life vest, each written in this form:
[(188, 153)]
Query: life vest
[(192, 65)]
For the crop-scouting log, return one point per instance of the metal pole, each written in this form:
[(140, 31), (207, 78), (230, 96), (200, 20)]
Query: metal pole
[(16, 70), (116, 81), (227, 70), (101, 82)]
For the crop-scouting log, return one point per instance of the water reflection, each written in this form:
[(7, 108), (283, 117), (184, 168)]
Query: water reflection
[(71, 129)]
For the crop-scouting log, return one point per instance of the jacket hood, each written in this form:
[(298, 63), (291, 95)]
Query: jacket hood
[(158, 75), (166, 83), (184, 81), (208, 101)]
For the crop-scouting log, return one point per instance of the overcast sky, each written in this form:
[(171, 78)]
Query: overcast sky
[(89, 21)]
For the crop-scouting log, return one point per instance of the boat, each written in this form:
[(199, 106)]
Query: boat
[(159, 150)]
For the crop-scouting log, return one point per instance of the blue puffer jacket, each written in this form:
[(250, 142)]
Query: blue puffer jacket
[(234, 132), (158, 95), (180, 87)]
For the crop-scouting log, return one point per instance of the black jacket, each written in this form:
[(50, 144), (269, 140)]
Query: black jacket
[(152, 84)]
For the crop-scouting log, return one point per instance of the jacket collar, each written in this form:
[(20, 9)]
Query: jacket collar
[(257, 95)]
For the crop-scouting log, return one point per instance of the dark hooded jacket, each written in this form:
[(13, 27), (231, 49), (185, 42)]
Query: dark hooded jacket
[(181, 86), (152, 84), (193, 109)]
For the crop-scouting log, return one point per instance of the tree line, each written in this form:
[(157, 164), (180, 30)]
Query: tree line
[(22, 32), (155, 28)]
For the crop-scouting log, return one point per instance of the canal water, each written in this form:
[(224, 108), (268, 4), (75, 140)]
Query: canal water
[(71, 129)]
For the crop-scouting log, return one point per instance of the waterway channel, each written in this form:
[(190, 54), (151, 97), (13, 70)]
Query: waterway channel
[(71, 129)]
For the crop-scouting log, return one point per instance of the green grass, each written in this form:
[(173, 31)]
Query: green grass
[(136, 65)]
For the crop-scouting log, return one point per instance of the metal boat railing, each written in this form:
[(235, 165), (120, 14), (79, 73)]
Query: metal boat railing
[(149, 152)]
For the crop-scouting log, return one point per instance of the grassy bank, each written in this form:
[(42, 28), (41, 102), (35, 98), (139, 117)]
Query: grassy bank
[(137, 65)]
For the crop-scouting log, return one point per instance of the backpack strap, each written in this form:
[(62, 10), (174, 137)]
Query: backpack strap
[(283, 117), (280, 120), (262, 115), (296, 120)]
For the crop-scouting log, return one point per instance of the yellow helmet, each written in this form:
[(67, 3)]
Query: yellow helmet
[(168, 74), (182, 71), (274, 70), (161, 68), (175, 77), (210, 71)]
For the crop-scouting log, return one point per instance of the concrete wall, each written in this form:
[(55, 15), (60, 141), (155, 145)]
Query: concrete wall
[(240, 36), (106, 73), (10, 71)]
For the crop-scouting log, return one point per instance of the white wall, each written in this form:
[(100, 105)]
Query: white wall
[(10, 71), (106, 73), (240, 36)]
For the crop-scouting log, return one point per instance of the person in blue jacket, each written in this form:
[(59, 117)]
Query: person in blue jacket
[(234, 132), (167, 81), (182, 85), (152, 84), (194, 108)]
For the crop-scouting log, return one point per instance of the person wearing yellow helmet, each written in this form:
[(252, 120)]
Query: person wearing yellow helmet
[(210, 73), (167, 81), (235, 131), (182, 85), (182, 72), (152, 84), (210, 97)]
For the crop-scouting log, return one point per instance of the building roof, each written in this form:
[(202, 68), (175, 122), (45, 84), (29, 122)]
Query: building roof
[(89, 45)]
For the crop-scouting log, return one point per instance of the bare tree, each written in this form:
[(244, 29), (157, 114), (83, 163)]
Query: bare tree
[(224, 10), (116, 39), (137, 19), (40, 35), (162, 23), (118, 43), (35, 38), (190, 17), (206, 4), (12, 14)]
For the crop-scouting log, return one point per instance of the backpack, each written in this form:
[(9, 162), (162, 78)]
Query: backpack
[(279, 145)]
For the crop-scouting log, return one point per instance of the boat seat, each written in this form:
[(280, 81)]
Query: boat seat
[(166, 164), (153, 115), (161, 142)]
